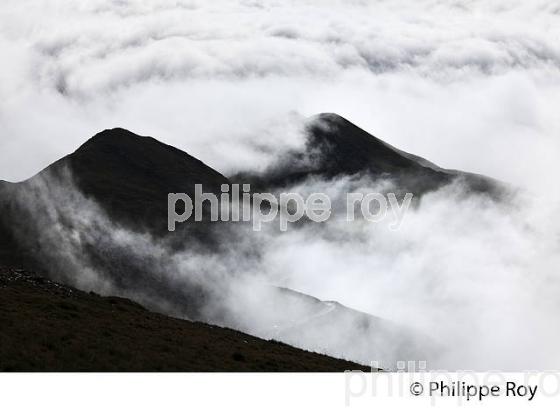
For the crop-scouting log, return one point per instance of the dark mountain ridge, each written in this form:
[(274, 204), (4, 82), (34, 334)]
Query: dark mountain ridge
[(129, 178), (129, 175), (335, 147)]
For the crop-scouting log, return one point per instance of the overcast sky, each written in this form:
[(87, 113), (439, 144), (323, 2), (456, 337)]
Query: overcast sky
[(466, 84)]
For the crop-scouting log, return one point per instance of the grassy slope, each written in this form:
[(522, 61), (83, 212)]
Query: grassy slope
[(45, 326)]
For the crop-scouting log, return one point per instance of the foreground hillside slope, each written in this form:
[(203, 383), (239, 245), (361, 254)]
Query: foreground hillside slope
[(47, 326)]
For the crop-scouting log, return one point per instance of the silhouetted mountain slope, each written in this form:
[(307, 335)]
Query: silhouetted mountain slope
[(336, 147), (130, 175), (129, 178), (47, 326)]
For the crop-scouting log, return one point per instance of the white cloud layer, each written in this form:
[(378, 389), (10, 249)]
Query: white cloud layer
[(471, 85)]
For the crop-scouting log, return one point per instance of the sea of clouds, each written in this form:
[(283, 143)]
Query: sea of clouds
[(470, 85)]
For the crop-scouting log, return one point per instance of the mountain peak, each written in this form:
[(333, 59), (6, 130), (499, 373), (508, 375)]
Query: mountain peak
[(115, 137), (335, 147), (131, 175), (328, 116)]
